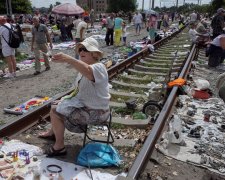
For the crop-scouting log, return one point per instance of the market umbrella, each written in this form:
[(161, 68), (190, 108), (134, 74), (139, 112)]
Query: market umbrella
[(150, 12), (67, 9)]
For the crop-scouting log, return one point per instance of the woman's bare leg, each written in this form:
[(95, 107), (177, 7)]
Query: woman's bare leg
[(13, 61), (9, 63), (58, 128)]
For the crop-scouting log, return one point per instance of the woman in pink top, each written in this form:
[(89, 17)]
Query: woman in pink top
[(104, 22)]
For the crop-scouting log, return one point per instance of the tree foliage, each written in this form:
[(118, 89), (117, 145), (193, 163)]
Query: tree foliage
[(217, 4), (122, 5), (57, 3), (18, 6)]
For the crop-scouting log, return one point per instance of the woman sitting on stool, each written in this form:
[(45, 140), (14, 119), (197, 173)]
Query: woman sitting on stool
[(91, 103)]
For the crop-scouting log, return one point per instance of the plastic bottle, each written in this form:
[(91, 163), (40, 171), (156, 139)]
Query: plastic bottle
[(188, 90)]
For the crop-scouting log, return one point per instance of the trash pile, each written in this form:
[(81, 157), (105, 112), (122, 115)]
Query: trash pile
[(196, 131), (173, 28), (27, 106), (64, 45), (20, 160)]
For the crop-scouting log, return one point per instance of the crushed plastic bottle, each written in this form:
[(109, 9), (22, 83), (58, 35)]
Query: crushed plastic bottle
[(188, 90)]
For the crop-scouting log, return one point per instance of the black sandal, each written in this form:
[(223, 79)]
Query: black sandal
[(51, 152)]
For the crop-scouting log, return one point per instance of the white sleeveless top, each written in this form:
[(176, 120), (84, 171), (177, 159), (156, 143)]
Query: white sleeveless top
[(216, 41), (93, 95)]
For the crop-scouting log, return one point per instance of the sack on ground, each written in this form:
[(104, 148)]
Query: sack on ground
[(98, 155), (202, 84)]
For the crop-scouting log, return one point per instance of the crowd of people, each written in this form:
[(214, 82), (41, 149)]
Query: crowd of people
[(209, 33), (115, 25), (91, 102)]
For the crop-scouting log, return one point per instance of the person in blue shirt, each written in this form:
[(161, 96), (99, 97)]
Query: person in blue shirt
[(118, 29)]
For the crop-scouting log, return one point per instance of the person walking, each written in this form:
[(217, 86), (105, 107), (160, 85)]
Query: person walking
[(218, 23), (40, 37), (69, 26), (152, 25), (76, 21), (7, 51), (92, 17), (110, 30), (137, 22), (193, 17), (63, 31), (118, 29), (165, 22), (80, 33)]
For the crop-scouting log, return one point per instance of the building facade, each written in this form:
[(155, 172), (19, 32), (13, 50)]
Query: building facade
[(99, 6)]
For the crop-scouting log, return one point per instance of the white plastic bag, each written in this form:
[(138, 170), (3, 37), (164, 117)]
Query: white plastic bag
[(202, 84), (175, 127)]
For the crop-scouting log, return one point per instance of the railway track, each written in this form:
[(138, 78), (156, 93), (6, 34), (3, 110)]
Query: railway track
[(132, 81)]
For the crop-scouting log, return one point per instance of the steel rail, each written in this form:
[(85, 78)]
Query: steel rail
[(118, 68), (27, 120), (149, 145)]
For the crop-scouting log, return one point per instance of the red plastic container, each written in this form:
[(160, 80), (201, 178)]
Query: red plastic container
[(199, 94)]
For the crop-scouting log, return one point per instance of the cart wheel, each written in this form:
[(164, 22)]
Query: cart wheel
[(152, 109)]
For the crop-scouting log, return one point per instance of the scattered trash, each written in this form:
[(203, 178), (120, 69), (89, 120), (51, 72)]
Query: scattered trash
[(25, 107), (139, 115), (175, 173)]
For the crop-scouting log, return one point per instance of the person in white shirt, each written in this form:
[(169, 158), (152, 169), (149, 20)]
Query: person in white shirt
[(76, 21), (7, 51), (193, 33), (80, 33), (91, 103), (137, 22), (81, 29), (217, 51), (193, 17)]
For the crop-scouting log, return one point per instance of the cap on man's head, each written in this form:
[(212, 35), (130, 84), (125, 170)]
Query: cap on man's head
[(220, 10)]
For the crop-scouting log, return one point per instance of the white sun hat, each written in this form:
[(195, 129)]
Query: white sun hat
[(91, 45)]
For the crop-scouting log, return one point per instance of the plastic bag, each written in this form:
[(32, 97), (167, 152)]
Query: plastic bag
[(202, 84), (175, 130), (98, 155)]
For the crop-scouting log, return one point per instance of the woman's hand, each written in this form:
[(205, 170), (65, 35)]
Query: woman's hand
[(61, 58)]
